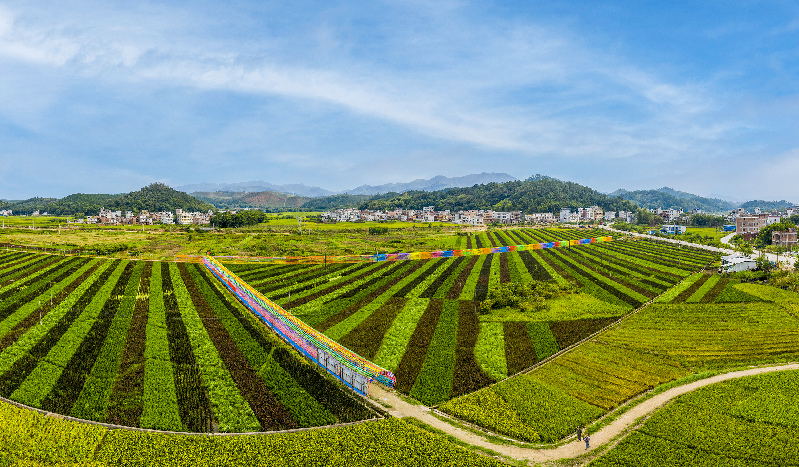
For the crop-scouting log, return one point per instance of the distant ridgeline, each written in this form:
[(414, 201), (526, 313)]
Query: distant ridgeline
[(155, 197), (668, 198)]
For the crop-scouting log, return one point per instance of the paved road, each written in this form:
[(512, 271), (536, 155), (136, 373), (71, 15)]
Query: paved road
[(783, 259), (400, 408)]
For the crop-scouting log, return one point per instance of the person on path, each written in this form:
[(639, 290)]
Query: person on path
[(587, 440), (579, 433)]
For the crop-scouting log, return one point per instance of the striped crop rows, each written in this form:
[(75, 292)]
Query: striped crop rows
[(154, 345), (683, 332), (419, 319)]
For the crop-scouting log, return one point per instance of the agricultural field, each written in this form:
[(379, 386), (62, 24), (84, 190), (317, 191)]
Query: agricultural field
[(278, 237), (153, 345), (752, 421), (684, 334), (419, 319), (31, 439)]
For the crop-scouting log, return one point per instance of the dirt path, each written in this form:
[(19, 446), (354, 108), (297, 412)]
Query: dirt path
[(402, 409)]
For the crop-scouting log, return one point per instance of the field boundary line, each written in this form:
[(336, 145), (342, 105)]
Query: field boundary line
[(579, 343), (605, 437), (111, 426)]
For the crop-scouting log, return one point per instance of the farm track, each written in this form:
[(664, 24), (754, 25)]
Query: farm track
[(611, 433)]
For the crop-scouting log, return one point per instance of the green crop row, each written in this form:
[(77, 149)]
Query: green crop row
[(614, 251), (672, 293), (434, 382), (708, 285), (544, 342), (94, 398), (160, 403), (613, 287), (399, 334), (305, 410), (30, 339), (452, 286), (338, 284), (489, 350), (315, 311), (230, 409), (597, 288), (361, 299), (750, 421), (468, 291), (45, 376), (350, 323), (18, 303), (29, 438)]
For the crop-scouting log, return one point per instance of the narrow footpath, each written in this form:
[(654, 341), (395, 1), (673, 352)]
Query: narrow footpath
[(402, 409)]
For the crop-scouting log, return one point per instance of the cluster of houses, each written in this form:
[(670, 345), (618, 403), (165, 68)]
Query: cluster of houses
[(108, 217), (477, 217), (748, 225), (594, 213), (6, 212), (429, 214)]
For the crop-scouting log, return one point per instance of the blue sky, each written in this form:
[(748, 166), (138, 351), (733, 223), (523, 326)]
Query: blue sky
[(110, 96)]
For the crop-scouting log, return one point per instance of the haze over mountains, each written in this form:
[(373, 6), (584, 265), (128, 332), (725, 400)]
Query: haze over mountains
[(436, 183), (669, 198), (497, 191)]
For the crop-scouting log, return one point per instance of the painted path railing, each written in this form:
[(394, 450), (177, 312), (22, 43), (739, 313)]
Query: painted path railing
[(354, 370), (397, 256)]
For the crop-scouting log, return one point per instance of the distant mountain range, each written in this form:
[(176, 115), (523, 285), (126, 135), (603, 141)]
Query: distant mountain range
[(480, 191), (436, 183), (267, 200), (296, 189), (669, 198)]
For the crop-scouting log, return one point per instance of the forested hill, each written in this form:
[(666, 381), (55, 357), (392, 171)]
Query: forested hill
[(536, 194), (668, 198), (155, 197), (78, 203), (158, 197), (265, 200), (766, 205)]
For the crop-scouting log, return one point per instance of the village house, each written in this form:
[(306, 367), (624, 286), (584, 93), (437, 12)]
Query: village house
[(785, 239)]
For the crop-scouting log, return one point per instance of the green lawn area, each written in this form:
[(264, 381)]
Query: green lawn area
[(711, 232)]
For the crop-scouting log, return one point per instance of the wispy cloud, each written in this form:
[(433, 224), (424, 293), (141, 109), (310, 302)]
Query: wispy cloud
[(461, 77)]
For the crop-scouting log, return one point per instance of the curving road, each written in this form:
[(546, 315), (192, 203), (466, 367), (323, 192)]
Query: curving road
[(401, 409), (783, 259)]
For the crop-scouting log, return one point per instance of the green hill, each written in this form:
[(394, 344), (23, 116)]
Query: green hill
[(267, 200), (158, 197), (335, 202), (766, 205), (669, 198), (536, 194)]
